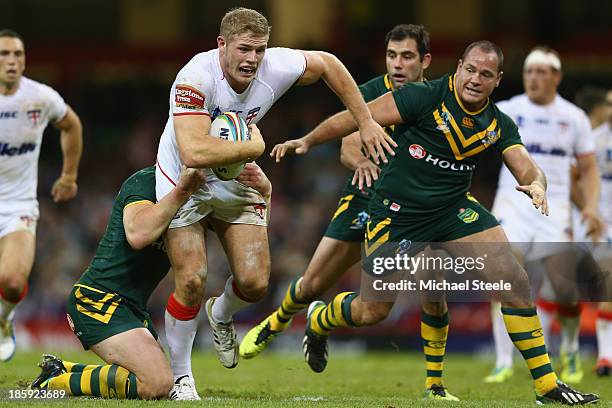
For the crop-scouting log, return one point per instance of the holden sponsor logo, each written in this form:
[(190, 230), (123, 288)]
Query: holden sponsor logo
[(417, 151), (447, 164)]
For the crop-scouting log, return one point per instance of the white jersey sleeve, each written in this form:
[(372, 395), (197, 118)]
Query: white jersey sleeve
[(190, 90), (56, 108), (283, 67), (584, 142)]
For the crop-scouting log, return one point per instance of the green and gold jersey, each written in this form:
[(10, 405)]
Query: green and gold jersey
[(439, 144), (370, 90), (117, 267)]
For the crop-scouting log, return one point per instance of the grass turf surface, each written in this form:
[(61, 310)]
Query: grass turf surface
[(277, 380)]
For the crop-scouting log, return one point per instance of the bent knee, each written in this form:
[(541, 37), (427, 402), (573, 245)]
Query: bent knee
[(253, 289), (12, 287), (192, 281), (311, 289)]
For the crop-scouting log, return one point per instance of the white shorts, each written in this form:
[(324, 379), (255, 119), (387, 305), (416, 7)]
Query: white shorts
[(534, 235), (18, 216), (227, 201)]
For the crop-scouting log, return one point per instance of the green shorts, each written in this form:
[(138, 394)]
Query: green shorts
[(95, 315), (349, 221), (465, 217)]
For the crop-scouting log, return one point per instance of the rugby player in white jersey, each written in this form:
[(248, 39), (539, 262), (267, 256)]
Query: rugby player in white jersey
[(597, 102), (243, 76), (26, 107), (554, 131)]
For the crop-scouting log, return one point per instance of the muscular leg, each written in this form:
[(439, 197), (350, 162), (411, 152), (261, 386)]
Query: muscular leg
[(331, 259), (186, 250), (519, 312), (248, 253), (16, 259), (137, 368)]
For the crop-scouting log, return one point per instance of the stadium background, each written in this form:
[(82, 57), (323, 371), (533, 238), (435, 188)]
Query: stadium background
[(113, 61)]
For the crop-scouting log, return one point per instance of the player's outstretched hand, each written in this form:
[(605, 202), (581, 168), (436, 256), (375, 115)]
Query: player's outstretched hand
[(65, 188), (537, 195), (258, 142), (376, 141), (594, 223), (191, 180), (367, 172), (254, 177), (294, 146)]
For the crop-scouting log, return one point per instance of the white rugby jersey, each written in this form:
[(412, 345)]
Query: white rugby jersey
[(553, 134), (23, 119), (200, 88), (603, 150)]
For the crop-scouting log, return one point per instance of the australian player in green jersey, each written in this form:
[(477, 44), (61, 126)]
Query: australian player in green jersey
[(443, 126), (107, 307), (407, 57)]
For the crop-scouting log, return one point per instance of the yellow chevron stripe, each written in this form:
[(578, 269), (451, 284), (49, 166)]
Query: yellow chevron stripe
[(343, 205), (370, 249), (476, 136), (449, 137), (470, 219), (372, 233)]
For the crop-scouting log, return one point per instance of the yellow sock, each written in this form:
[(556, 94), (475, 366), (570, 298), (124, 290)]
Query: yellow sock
[(108, 381), (336, 314), (525, 330), (434, 332), (78, 368), (290, 305)]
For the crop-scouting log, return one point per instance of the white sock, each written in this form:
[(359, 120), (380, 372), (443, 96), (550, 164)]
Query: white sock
[(228, 304), (6, 308), (604, 338), (570, 330), (503, 345), (180, 335)]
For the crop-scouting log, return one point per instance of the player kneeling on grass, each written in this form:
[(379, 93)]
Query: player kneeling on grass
[(107, 306)]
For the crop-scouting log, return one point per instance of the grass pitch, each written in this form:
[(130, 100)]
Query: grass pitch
[(386, 380)]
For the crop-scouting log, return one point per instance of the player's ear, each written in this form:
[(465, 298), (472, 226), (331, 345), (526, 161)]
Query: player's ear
[(459, 64), (499, 77), (221, 43), (426, 61)]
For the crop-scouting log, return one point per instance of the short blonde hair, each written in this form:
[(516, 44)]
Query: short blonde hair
[(240, 20)]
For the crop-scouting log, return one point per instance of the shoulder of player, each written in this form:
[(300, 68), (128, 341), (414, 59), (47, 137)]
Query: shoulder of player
[(569, 107), (34, 87), (200, 70), (142, 182), (276, 60)]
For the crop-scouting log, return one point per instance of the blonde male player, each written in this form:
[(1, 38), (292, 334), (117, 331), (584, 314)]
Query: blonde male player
[(26, 107), (243, 76)]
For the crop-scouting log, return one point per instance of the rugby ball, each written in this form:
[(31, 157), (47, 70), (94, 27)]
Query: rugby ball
[(233, 128)]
